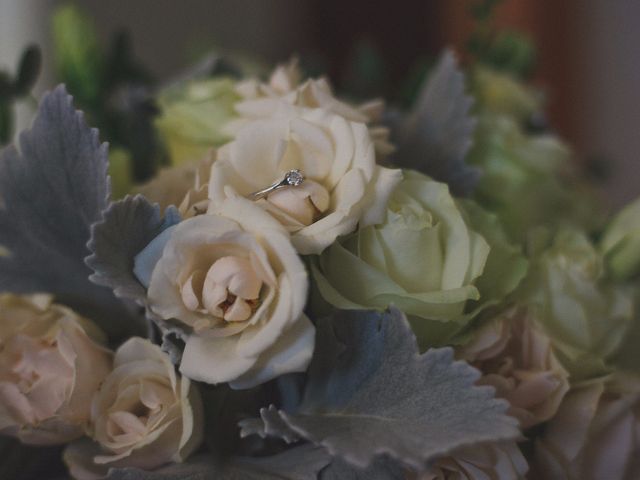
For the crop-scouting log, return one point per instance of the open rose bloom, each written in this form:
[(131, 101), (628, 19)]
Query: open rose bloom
[(343, 186), (234, 289), (51, 364), (516, 358), (144, 416)]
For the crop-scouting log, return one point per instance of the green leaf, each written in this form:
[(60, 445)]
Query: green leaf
[(483, 10), (370, 392), (6, 121), (53, 188), (511, 52), (437, 134), (6, 87), (506, 265), (300, 463), (79, 59), (28, 71)]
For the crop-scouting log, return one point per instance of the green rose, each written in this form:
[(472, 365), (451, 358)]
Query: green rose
[(429, 258), (120, 172), (586, 317), (527, 179), (193, 116), (501, 93), (620, 243)]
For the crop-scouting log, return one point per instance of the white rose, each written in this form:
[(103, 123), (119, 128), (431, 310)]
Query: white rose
[(343, 185), (285, 85), (236, 286), (143, 416), (50, 367), (182, 186)]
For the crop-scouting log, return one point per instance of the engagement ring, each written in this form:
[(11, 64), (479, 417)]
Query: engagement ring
[(292, 178)]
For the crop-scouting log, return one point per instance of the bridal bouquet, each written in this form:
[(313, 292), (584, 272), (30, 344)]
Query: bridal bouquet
[(314, 288)]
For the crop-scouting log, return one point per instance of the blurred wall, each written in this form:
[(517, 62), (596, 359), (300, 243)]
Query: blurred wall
[(609, 108), (167, 32), (589, 63)]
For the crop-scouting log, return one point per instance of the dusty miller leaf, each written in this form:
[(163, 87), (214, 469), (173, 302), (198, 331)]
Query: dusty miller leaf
[(300, 463), (437, 134), (370, 392), (127, 227), (381, 469), (270, 424), (52, 189)]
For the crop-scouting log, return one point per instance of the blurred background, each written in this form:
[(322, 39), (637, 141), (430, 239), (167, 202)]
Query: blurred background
[(587, 61)]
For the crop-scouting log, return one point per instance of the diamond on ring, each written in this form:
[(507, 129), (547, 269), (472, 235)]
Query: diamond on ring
[(294, 178)]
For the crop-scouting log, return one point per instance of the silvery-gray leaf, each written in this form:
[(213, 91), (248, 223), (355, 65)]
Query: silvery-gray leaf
[(371, 392), (52, 189), (381, 469), (128, 226), (300, 463), (270, 424), (436, 135)]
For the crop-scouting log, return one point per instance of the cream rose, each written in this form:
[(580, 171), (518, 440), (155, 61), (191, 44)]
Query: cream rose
[(51, 364), (236, 288), (183, 186), (516, 359), (143, 416), (595, 434), (261, 100), (343, 186), (495, 461)]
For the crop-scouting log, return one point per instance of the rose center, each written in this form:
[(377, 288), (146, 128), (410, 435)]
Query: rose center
[(230, 289), (22, 358), (34, 366)]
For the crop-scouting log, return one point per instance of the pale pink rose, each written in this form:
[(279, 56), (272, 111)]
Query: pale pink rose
[(516, 359), (596, 433), (491, 461), (143, 416), (51, 364), (261, 100)]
